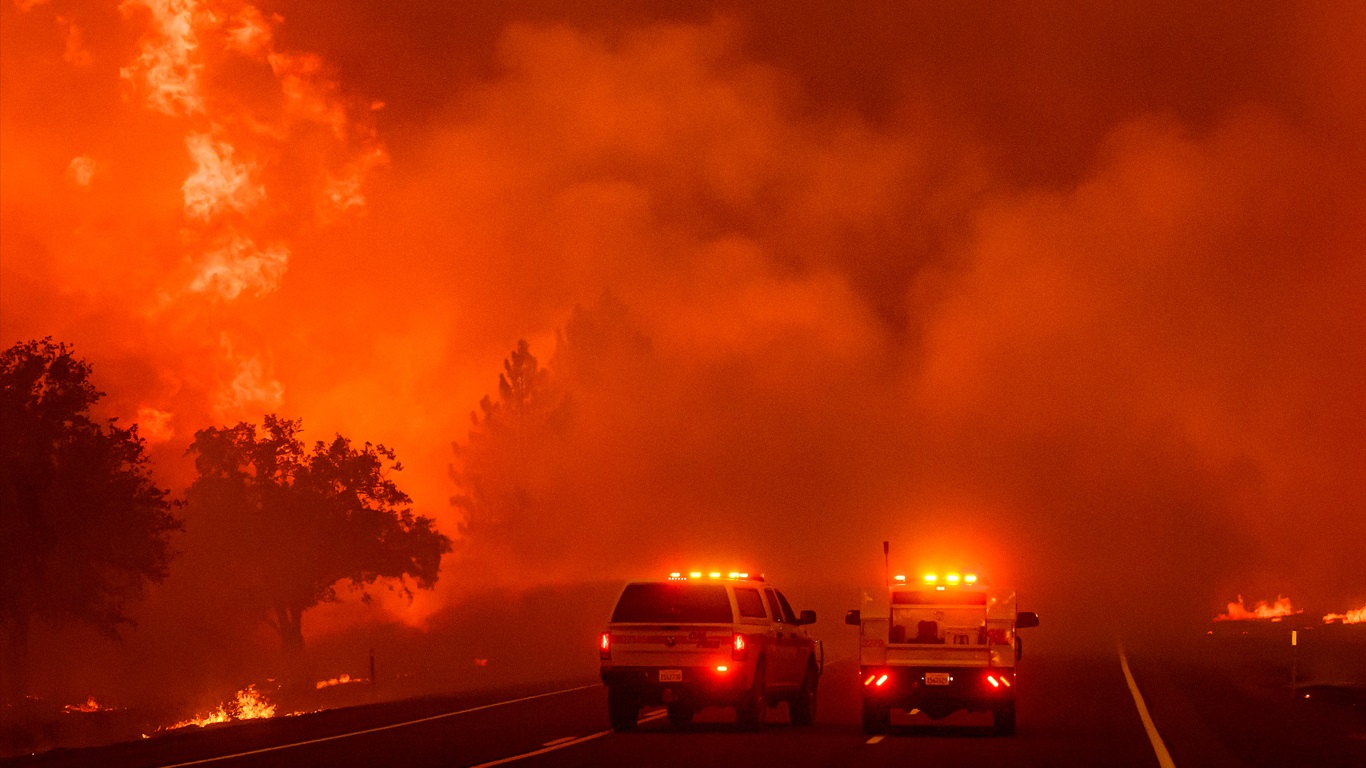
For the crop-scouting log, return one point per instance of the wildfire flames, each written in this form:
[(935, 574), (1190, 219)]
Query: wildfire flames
[(90, 705), (249, 705), (338, 680), (1262, 610), (1355, 616)]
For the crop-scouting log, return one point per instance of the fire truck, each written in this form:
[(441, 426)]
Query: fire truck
[(937, 645), (704, 638)]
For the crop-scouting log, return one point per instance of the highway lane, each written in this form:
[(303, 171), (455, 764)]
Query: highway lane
[(1072, 711)]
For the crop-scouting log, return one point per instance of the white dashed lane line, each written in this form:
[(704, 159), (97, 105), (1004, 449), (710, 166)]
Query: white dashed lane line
[(567, 741)]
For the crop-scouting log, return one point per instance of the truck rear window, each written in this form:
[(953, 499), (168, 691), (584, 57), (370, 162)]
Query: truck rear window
[(673, 604)]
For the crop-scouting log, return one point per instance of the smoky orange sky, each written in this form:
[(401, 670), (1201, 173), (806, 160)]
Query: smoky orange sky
[(1073, 294)]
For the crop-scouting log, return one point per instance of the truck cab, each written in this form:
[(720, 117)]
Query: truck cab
[(702, 639), (938, 646)]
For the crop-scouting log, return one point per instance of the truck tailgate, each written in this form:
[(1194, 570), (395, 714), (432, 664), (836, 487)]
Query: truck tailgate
[(640, 645)]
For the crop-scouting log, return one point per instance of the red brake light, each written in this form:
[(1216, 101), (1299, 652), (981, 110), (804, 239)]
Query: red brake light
[(881, 680), (992, 679), (737, 646), (605, 646)]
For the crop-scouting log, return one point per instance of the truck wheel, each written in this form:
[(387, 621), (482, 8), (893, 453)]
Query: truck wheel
[(680, 714), (877, 718), (1003, 720), (752, 711), (802, 707), (622, 709)]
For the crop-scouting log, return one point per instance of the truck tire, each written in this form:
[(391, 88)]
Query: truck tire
[(622, 709), (877, 718), (752, 710), (801, 709), (680, 714), (1003, 720)]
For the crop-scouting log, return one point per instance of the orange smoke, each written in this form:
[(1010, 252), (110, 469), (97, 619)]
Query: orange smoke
[(1262, 610), (1354, 616)]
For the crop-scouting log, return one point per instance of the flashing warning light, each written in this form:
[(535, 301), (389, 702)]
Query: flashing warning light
[(900, 577), (675, 576), (992, 679), (737, 646), (715, 574), (971, 578), (940, 588), (695, 575), (605, 646), (722, 668), (734, 574), (930, 578), (952, 578), (744, 575), (881, 680)]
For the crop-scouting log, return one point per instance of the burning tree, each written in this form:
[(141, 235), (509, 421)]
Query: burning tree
[(291, 524), (82, 525)]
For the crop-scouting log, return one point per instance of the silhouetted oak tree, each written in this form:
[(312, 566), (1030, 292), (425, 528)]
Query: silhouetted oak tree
[(82, 525), (291, 524)]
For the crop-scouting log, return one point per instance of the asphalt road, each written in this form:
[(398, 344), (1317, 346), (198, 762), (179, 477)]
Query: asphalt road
[(1073, 711)]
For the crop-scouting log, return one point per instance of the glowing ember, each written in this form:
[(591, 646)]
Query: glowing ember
[(1262, 610), (1355, 616), (90, 705), (249, 705)]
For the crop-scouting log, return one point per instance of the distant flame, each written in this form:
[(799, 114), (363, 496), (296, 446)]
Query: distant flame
[(90, 705), (238, 267), (154, 425), (81, 170), (1355, 616), (338, 680), (166, 66), (249, 705), (219, 184), (1262, 610)]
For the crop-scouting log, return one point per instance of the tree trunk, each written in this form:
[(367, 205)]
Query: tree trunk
[(15, 664)]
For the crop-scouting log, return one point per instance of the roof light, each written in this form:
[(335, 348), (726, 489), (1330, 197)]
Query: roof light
[(971, 578), (734, 574), (952, 578), (930, 578), (900, 577), (940, 588), (744, 575), (675, 576), (715, 574), (695, 575)]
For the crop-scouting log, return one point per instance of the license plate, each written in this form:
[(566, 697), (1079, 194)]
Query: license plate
[(670, 675), (936, 678)]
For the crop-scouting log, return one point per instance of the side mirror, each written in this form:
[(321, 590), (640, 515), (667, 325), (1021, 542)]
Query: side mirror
[(852, 618), (1026, 619), (807, 617)]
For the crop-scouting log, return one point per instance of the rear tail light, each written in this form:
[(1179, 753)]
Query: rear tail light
[(738, 647), (999, 680), (605, 646), (992, 679), (876, 679), (869, 680), (880, 681)]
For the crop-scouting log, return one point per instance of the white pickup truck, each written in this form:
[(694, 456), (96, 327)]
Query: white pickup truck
[(703, 639), (938, 646)]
